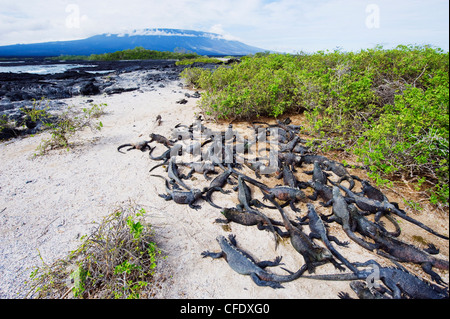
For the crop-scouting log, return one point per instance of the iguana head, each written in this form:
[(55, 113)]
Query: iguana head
[(310, 208), (300, 196), (221, 240), (197, 193), (388, 207), (323, 253)]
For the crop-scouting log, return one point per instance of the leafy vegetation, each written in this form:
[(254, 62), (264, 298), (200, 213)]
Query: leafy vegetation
[(198, 60), (388, 106), (138, 53), (117, 261), (67, 124)]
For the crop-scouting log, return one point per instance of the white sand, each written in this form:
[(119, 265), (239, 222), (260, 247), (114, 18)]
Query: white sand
[(52, 200)]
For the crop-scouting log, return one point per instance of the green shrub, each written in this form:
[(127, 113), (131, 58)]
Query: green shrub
[(117, 261), (68, 123), (390, 107), (138, 53), (203, 59)]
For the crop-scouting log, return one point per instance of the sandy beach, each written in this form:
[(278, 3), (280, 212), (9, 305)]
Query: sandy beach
[(48, 202)]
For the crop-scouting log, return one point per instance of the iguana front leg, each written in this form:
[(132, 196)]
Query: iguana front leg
[(212, 255), (193, 206)]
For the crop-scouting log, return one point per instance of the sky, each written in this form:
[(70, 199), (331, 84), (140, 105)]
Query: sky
[(278, 25)]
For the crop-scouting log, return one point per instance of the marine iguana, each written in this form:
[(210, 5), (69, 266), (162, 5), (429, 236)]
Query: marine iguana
[(165, 157), (244, 264), (181, 197), (310, 158), (341, 214), (318, 174), (288, 147), (245, 200), (172, 173), (380, 208), (322, 190), (319, 231), (284, 193), (340, 171), (364, 226), (160, 139), (396, 279), (395, 249), (373, 193), (204, 168), (300, 149), (290, 159), (217, 184), (289, 178), (248, 219), (363, 292), (142, 146), (313, 254)]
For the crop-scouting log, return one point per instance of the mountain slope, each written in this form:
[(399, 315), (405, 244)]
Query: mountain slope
[(203, 43)]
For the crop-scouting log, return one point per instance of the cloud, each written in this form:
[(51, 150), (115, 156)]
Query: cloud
[(218, 29), (282, 25)]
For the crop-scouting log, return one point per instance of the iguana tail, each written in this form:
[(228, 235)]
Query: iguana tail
[(287, 278), (122, 146), (340, 277)]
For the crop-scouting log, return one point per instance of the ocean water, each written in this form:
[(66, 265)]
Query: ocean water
[(40, 69)]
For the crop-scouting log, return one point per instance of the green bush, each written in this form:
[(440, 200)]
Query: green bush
[(390, 107), (68, 123), (138, 53), (203, 59), (117, 261)]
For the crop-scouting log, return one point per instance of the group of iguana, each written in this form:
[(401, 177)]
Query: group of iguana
[(229, 155)]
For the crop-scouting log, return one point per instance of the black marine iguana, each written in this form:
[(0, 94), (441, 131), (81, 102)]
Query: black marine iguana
[(181, 197), (284, 193), (245, 200), (244, 264), (363, 292), (318, 230), (380, 208), (204, 168), (396, 279), (289, 178), (318, 174), (395, 249), (166, 156), (142, 146), (248, 219), (161, 139), (217, 184), (340, 171), (341, 214), (313, 254)]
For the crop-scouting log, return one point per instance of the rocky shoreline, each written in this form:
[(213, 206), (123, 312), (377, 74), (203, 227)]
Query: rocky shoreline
[(19, 90)]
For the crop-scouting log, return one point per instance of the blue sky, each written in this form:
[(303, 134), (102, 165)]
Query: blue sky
[(280, 25)]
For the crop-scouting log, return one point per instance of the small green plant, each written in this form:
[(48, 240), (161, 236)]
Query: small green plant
[(38, 111), (68, 123), (117, 261)]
